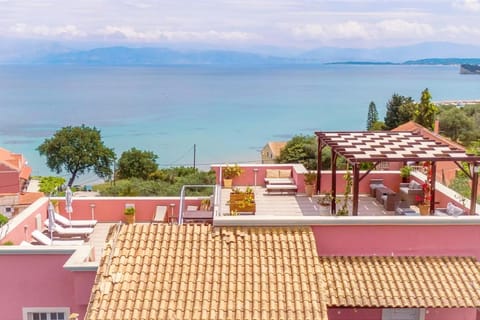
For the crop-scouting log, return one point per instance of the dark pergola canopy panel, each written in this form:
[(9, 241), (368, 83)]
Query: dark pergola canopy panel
[(391, 146)]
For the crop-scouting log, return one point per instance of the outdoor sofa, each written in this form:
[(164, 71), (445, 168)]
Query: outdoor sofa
[(410, 192)]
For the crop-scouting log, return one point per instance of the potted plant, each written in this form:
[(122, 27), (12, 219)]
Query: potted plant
[(230, 172), (310, 178), (405, 172), (129, 215)]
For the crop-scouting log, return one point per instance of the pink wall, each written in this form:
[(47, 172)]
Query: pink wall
[(10, 182), (41, 281), (111, 209), (18, 234), (400, 240), (247, 178), (390, 179), (376, 314), (354, 313)]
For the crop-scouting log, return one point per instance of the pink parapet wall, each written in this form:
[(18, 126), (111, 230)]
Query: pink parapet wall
[(40, 280), (398, 240), (254, 175), (376, 314)]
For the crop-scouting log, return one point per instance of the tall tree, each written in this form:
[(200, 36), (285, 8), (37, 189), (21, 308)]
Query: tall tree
[(455, 124), (136, 163), (426, 110), (77, 150), (372, 116), (393, 116), (300, 149)]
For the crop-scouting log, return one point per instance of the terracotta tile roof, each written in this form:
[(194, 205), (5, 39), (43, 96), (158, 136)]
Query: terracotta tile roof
[(415, 127), (397, 282), (10, 159), (159, 271), (28, 198)]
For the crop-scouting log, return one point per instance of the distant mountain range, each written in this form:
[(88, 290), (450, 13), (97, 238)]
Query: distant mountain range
[(425, 53)]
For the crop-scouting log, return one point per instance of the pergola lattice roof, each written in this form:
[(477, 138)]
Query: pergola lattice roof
[(372, 146), (392, 146)]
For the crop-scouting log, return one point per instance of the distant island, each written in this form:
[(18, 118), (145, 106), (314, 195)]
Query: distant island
[(158, 56), (470, 69)]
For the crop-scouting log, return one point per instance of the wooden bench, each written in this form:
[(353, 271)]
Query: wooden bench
[(281, 188)]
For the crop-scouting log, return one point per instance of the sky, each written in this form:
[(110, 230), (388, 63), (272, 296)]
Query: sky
[(299, 24)]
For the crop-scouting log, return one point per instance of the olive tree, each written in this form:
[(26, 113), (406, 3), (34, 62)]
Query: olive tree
[(78, 150), (136, 163)]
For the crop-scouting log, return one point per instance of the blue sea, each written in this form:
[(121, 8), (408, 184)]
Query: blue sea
[(229, 113)]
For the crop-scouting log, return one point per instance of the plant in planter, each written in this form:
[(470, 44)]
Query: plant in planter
[(343, 211), (129, 215), (325, 199), (405, 172), (205, 204), (242, 201), (230, 172), (310, 178)]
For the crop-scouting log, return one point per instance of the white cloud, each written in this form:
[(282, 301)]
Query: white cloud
[(469, 5), (131, 33), (385, 29), (66, 31), (403, 29)]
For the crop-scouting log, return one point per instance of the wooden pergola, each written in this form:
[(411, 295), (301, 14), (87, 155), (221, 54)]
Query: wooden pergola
[(391, 146)]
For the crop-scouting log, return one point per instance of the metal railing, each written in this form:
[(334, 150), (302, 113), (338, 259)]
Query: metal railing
[(216, 199)]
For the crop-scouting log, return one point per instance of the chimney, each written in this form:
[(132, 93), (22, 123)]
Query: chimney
[(436, 126)]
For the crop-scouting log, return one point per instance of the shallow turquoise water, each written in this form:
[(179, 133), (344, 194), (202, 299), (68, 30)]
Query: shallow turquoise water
[(228, 112)]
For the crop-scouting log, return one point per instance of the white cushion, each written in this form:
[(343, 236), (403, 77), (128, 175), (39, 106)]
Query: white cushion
[(453, 210)]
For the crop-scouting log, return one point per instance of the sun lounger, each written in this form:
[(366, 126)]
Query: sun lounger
[(70, 232), (73, 223), (160, 213), (43, 239)]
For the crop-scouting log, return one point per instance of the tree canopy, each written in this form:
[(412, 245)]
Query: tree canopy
[(426, 110), (395, 115), (136, 163), (372, 116), (78, 150), (300, 149)]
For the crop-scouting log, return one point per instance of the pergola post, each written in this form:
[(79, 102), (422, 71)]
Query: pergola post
[(473, 196), (356, 175), (433, 168), (319, 166), (333, 206)]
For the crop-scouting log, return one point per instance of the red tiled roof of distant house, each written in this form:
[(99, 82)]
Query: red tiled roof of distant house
[(415, 127)]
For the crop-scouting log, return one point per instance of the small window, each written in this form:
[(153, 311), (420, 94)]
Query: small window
[(45, 313)]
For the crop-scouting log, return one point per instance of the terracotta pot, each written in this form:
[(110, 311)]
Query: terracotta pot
[(130, 218), (424, 209), (227, 183), (309, 190)]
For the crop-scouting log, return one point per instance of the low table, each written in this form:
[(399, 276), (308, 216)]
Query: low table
[(197, 216)]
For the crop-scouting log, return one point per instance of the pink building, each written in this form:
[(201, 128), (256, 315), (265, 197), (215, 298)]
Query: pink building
[(291, 259), (14, 172)]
